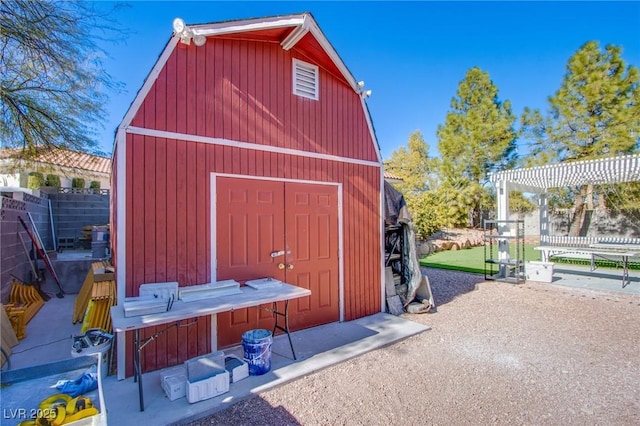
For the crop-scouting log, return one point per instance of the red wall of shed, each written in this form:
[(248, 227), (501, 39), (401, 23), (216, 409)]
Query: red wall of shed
[(241, 91), (168, 226)]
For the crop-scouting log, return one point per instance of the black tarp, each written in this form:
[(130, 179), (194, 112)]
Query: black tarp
[(397, 214)]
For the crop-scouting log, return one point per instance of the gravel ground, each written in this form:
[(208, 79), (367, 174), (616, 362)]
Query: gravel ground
[(497, 353)]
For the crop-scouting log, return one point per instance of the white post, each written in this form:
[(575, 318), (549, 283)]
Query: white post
[(543, 207), (503, 215), (503, 200), (544, 215)]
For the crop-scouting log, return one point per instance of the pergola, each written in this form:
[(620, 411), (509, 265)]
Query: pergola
[(620, 169)]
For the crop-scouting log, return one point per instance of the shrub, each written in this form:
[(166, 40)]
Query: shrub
[(77, 183), (53, 180), (426, 213), (35, 180)]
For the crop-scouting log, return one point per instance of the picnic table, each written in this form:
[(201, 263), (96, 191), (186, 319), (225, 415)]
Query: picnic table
[(615, 252)]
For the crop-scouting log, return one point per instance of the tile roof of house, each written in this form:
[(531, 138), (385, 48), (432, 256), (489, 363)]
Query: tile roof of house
[(64, 158), (388, 175)]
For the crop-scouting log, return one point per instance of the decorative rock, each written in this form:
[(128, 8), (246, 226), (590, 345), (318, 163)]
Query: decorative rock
[(453, 239), (417, 308)]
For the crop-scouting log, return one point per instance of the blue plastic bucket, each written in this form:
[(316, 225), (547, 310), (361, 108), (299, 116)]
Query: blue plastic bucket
[(257, 351)]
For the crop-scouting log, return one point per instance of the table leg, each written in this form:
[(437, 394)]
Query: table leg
[(137, 370), (277, 325)]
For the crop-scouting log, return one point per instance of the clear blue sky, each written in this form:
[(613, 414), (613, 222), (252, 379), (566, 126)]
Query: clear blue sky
[(412, 55)]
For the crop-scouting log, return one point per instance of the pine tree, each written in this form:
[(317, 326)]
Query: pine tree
[(477, 138), (595, 113)]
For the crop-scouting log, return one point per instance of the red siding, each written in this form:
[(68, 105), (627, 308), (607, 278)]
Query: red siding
[(239, 90)]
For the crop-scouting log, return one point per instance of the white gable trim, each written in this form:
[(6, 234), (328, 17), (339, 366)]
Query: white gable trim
[(374, 139), (233, 27), (304, 23), (296, 35), (148, 83)]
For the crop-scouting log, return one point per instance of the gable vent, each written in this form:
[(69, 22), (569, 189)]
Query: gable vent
[(305, 79)]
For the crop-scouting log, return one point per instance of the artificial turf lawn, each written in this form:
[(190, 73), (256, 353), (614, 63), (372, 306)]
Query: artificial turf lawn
[(472, 259)]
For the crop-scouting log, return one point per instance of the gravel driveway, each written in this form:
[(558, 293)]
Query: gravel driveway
[(497, 353)]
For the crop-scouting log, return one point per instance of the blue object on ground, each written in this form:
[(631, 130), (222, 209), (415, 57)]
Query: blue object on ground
[(257, 351), (83, 384)]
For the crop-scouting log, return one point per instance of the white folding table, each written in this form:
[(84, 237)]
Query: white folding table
[(247, 297)]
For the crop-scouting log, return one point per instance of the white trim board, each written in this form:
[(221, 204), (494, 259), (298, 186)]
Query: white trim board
[(246, 145), (121, 243)]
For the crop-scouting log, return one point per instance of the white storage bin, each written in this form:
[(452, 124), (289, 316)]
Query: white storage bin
[(238, 369), (175, 387), (539, 271), (173, 381), (208, 388), (205, 366)]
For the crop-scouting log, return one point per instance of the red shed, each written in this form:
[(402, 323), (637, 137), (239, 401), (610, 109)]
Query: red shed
[(248, 137)]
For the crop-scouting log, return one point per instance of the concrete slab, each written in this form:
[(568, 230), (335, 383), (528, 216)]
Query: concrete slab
[(316, 348), (49, 339), (604, 279), (48, 335)]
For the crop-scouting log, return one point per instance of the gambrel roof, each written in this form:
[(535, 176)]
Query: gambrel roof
[(620, 169), (297, 30)]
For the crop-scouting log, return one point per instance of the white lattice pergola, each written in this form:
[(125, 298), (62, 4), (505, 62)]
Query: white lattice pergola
[(538, 180)]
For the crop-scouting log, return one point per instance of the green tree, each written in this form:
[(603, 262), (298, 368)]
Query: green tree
[(412, 164), (595, 113), (427, 212), (520, 204), (478, 137), (53, 85)]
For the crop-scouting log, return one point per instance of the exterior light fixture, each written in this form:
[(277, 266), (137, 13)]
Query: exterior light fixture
[(178, 25), (364, 93), (186, 34), (199, 40)]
